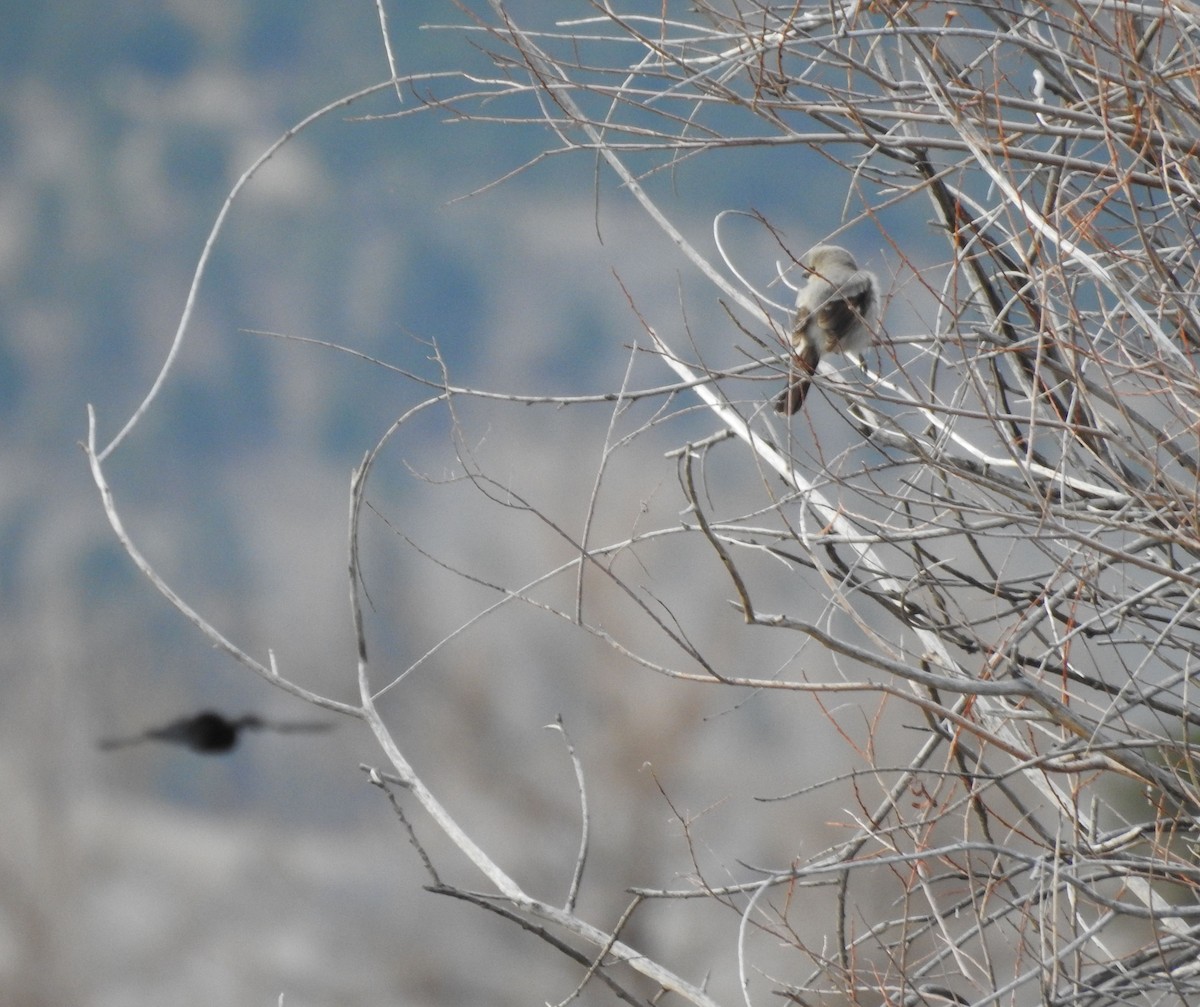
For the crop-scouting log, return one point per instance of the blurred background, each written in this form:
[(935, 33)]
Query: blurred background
[(152, 875)]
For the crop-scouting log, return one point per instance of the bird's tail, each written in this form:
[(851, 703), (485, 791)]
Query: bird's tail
[(804, 365)]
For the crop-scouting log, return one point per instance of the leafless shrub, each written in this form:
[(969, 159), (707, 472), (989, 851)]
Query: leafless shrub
[(1001, 512)]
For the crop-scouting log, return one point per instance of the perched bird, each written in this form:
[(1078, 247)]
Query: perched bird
[(209, 732), (835, 312)]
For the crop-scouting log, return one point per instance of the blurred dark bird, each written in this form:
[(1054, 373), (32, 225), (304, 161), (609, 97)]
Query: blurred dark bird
[(209, 732)]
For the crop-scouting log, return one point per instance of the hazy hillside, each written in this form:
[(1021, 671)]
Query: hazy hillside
[(153, 876)]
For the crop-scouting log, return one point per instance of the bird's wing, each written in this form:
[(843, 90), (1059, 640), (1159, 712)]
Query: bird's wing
[(108, 744), (800, 323), (857, 287), (849, 303), (295, 727)]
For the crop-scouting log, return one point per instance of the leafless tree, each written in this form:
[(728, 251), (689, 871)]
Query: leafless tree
[(996, 519)]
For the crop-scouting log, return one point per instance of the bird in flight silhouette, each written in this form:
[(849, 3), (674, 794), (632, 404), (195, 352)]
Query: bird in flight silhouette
[(210, 733)]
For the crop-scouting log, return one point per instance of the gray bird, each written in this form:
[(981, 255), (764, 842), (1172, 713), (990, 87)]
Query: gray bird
[(836, 311)]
